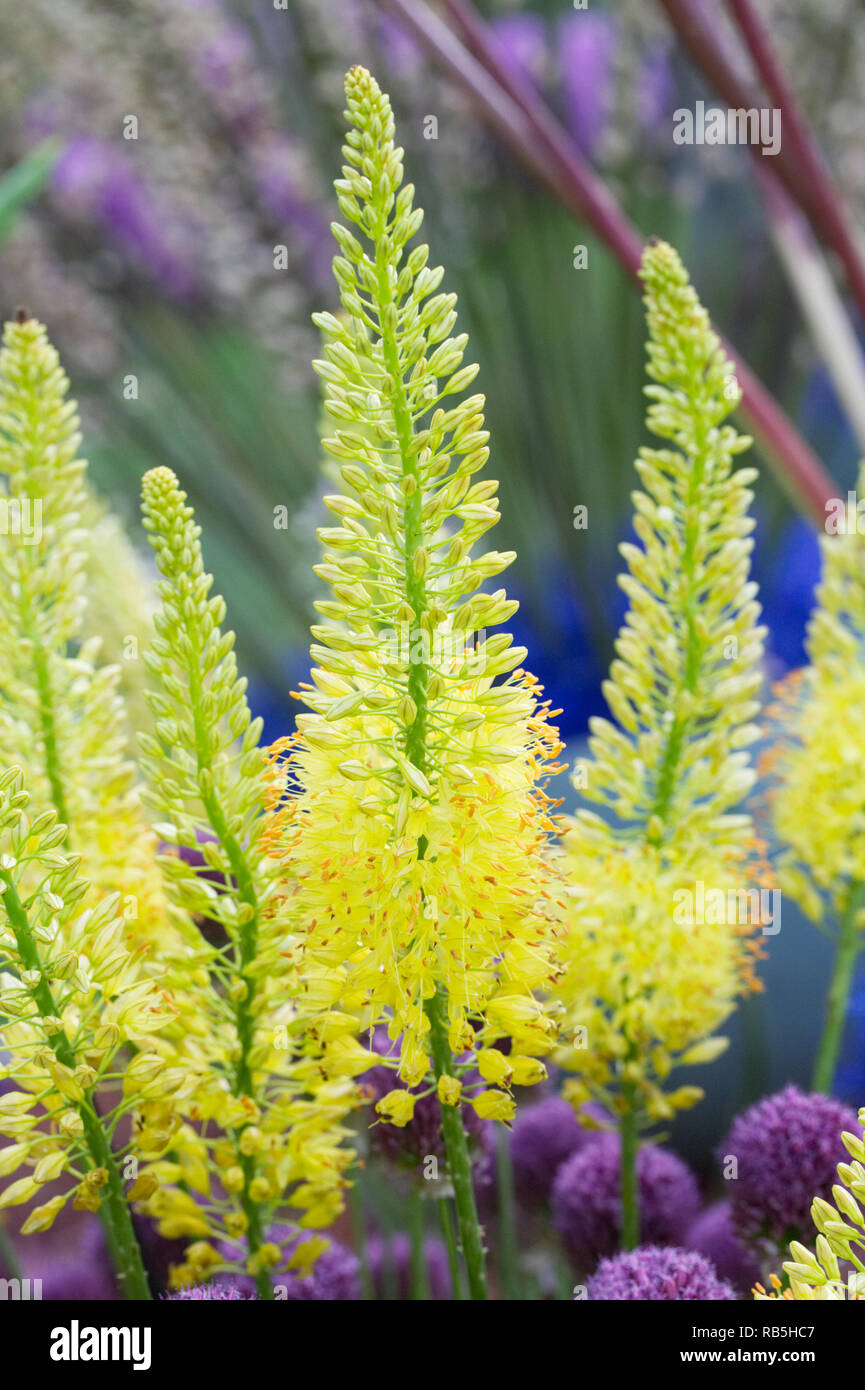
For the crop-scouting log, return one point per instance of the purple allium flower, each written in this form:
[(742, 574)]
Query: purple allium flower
[(586, 45), (587, 1203), (410, 1144), (522, 44), (543, 1136), (201, 1292), (658, 1274), (712, 1235), (390, 1266), (787, 1148), (334, 1278)]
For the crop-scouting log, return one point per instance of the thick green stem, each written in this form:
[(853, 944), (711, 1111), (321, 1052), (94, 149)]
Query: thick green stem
[(838, 996), (629, 1131), (114, 1210), (457, 1152)]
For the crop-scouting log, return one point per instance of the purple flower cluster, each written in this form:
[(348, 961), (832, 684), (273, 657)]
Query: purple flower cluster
[(656, 1274), (786, 1149), (544, 1136), (200, 1293), (334, 1278), (587, 1203)]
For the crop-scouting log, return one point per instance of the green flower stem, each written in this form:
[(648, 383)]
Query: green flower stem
[(114, 1210), (629, 1131), (456, 1149), (247, 944), (447, 1225), (850, 942), (47, 724), (8, 1256)]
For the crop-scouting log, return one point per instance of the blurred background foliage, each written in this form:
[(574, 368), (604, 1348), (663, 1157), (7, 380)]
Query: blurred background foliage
[(165, 210)]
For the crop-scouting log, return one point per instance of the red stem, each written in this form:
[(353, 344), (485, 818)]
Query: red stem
[(512, 107), (798, 163)]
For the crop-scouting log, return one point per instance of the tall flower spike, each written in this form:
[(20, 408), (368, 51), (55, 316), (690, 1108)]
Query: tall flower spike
[(61, 717), (825, 1274), (816, 794), (73, 992), (279, 1130), (414, 819), (648, 981)]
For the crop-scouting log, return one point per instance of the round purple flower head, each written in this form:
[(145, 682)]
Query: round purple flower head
[(786, 1148), (657, 1274), (587, 1203), (409, 1145), (543, 1136), (712, 1235)]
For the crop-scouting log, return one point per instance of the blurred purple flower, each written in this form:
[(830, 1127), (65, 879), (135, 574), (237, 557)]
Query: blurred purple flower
[(543, 1137), (522, 43), (655, 89), (93, 179), (586, 45), (656, 1274), (587, 1202), (712, 1235), (402, 54), (786, 1147), (273, 164), (71, 1259), (410, 1144), (333, 1278), (389, 1263)]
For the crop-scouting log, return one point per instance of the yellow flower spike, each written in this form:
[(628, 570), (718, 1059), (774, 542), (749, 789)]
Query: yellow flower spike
[(449, 1090), (69, 734), (245, 1053), (414, 753), (409, 807), (664, 901)]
